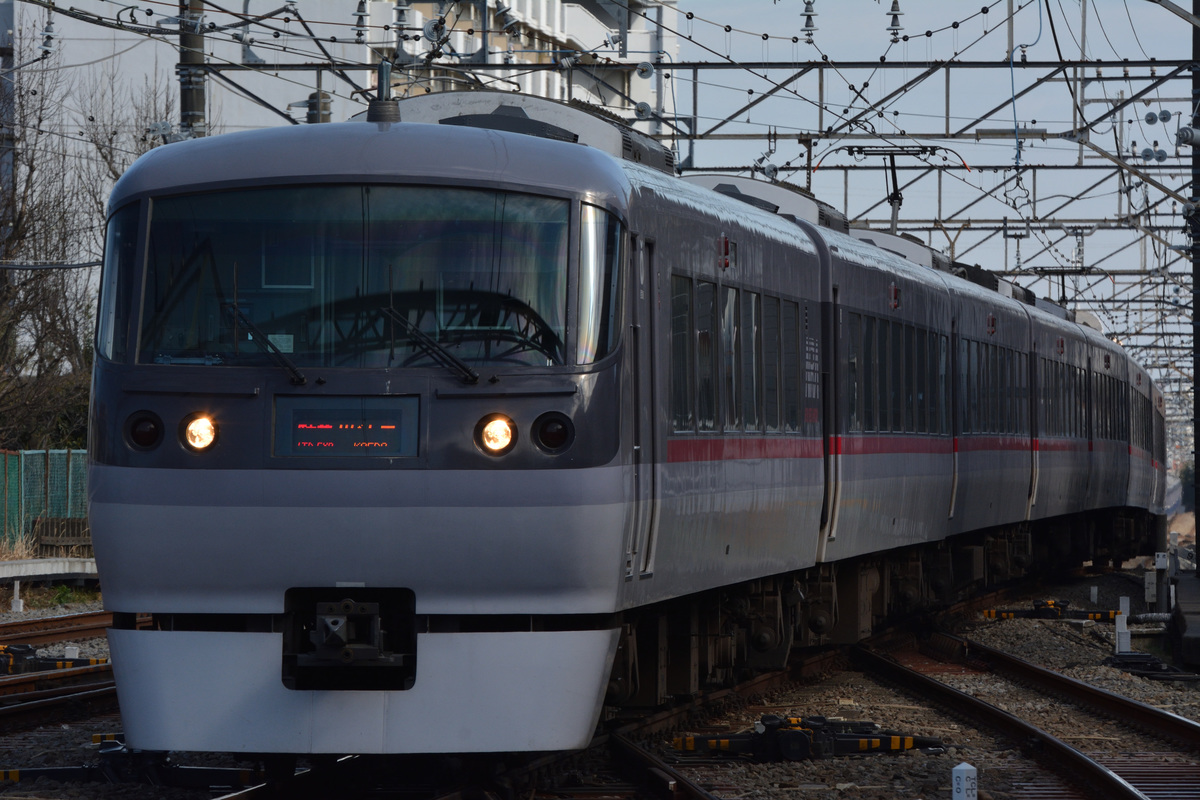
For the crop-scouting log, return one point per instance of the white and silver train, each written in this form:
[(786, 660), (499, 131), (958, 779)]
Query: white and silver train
[(438, 435)]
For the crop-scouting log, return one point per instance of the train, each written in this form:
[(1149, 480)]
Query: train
[(454, 428)]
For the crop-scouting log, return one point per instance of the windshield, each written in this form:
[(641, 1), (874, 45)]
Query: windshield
[(351, 275)]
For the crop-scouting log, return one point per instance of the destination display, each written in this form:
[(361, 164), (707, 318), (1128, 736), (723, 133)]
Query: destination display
[(343, 427)]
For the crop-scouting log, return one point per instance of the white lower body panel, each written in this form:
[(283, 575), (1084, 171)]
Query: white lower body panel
[(474, 692)]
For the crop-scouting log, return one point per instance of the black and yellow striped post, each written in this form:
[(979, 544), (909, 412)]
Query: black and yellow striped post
[(797, 738)]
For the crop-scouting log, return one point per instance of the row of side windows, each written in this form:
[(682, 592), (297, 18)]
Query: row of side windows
[(896, 377), (1061, 403), (1111, 408), (995, 388), (741, 361), (1142, 424)]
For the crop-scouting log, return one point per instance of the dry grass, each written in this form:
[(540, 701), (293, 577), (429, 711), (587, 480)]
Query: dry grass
[(19, 550), (50, 596)]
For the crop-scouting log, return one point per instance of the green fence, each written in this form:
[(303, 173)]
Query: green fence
[(45, 498)]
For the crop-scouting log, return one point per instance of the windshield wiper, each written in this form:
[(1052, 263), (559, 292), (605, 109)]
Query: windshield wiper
[(432, 347), (265, 342)]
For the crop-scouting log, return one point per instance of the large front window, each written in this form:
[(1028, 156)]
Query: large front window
[(363, 276)]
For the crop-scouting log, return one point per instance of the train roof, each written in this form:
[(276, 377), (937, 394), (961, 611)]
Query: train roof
[(368, 151)]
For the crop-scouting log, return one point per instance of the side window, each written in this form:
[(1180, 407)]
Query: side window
[(730, 343), (870, 376), (996, 388), (883, 359), (771, 355), (751, 360), (791, 365), (706, 357), (971, 392), (896, 377), (682, 367), (853, 377), (943, 384), (910, 384), (921, 362)]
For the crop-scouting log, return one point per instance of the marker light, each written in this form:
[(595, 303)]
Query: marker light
[(144, 430), (553, 432), (199, 433), (495, 434)]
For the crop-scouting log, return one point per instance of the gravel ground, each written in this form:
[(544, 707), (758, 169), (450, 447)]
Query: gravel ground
[(88, 648), (884, 776), (1075, 648), (1078, 648)]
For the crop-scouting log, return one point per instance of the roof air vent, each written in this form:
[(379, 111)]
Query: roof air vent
[(729, 190), (513, 119)]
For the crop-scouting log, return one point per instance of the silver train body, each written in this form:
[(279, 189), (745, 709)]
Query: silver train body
[(736, 425)]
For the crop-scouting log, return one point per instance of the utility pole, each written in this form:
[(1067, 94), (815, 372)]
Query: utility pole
[(1193, 223), (191, 72)]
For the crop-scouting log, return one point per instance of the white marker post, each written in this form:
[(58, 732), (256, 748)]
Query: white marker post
[(1124, 640), (965, 782)]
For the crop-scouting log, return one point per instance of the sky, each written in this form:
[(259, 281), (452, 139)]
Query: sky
[(963, 208)]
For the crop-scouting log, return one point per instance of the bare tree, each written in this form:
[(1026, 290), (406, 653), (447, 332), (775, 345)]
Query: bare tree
[(52, 210), (117, 128)]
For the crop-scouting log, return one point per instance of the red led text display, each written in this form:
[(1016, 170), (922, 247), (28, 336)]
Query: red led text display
[(346, 437), (346, 427)]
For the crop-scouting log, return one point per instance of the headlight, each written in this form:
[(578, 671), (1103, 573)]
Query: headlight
[(199, 432), (495, 434)]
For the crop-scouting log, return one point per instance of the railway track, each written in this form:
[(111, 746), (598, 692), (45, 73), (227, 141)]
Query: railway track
[(623, 765), (1133, 769), (51, 630), (31, 697)]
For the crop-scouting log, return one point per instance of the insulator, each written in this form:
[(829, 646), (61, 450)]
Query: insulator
[(47, 45)]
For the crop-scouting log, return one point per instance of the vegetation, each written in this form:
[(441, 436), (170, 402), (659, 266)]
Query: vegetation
[(50, 596), (52, 211)]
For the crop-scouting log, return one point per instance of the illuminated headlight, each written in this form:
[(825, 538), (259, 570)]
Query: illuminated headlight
[(495, 434), (199, 432)]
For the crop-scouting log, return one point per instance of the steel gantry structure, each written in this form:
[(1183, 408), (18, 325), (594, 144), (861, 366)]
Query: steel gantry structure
[(1076, 209)]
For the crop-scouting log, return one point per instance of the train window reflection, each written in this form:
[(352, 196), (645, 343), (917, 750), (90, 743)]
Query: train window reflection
[(345, 276), (599, 259), (120, 250)]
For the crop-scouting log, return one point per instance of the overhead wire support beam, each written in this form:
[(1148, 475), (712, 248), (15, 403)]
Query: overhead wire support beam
[(1177, 11)]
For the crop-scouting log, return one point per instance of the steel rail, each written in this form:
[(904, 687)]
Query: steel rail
[(47, 630), (65, 627), (1160, 722), (27, 682), (1054, 753)]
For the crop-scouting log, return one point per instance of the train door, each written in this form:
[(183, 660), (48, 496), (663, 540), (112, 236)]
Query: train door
[(1034, 431), (952, 391), (639, 559), (826, 366)]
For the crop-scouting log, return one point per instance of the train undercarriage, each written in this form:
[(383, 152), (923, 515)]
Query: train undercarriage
[(674, 649)]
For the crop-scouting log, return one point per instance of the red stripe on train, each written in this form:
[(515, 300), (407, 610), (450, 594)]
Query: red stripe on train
[(735, 448)]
